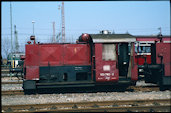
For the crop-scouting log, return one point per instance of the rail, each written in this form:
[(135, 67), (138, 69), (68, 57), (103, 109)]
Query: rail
[(143, 88), (12, 92), (18, 82), (101, 106)]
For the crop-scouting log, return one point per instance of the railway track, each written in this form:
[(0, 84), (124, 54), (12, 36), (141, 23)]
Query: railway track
[(12, 92), (4, 75), (144, 88), (134, 89), (4, 70), (101, 106), (17, 82)]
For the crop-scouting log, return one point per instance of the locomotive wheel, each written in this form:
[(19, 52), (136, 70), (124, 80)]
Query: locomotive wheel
[(29, 91)]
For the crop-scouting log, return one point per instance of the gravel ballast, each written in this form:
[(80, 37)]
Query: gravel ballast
[(7, 87), (78, 97), (83, 97)]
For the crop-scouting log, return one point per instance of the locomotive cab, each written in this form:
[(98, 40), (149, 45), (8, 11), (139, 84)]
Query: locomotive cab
[(114, 58)]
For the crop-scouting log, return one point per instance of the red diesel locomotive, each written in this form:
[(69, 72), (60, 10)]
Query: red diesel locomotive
[(96, 59)]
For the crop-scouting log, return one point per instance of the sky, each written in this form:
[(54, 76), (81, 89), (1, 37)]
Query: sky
[(134, 17)]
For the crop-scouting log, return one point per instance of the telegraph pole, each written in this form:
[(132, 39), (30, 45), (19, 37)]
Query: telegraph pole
[(11, 26), (53, 40), (160, 30), (16, 39), (63, 23), (58, 35)]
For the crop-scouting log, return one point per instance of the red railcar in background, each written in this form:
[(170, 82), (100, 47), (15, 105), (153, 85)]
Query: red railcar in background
[(155, 64), (143, 49)]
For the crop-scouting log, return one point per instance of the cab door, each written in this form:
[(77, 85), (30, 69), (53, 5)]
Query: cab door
[(105, 62)]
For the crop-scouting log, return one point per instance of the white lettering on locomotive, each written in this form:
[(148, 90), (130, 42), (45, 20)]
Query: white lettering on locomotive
[(106, 74), (106, 68)]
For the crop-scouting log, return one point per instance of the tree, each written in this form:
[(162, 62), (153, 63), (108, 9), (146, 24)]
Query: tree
[(5, 47)]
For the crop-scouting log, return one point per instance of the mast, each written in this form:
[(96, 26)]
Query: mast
[(11, 26), (16, 39), (63, 23)]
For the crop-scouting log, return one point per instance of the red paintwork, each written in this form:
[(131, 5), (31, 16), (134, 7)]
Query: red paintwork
[(163, 49), (32, 55), (151, 38), (32, 62), (54, 55), (85, 37), (51, 53), (32, 72), (134, 67), (140, 59), (100, 77), (77, 54)]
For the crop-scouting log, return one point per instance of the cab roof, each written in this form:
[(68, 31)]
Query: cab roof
[(109, 38)]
